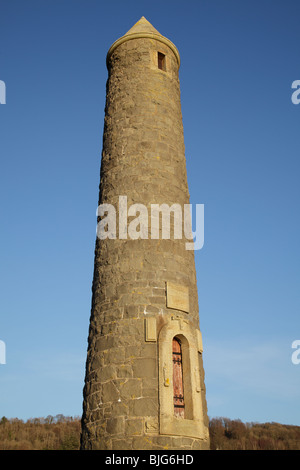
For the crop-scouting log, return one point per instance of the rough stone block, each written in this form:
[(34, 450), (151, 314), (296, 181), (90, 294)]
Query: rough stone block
[(115, 426), (133, 427), (144, 407), (144, 367)]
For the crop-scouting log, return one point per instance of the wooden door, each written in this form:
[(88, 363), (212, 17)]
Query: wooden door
[(178, 379)]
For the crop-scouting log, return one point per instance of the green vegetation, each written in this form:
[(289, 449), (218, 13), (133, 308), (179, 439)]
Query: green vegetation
[(63, 433)]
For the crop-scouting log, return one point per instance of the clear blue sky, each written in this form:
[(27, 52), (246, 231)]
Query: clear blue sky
[(238, 61)]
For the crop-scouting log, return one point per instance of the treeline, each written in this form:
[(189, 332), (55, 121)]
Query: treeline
[(51, 433), (63, 433), (226, 434)]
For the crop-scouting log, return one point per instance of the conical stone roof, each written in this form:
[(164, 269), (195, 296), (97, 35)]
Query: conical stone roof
[(143, 29), (142, 26)]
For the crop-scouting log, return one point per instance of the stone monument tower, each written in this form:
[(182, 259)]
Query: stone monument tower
[(144, 385)]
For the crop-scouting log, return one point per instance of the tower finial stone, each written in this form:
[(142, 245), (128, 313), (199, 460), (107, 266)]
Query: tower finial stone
[(142, 26)]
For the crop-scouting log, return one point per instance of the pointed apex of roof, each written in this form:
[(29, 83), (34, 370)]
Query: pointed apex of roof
[(142, 26), (143, 29)]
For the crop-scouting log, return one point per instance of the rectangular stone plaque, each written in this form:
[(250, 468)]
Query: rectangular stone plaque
[(150, 329), (178, 297), (199, 341)]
